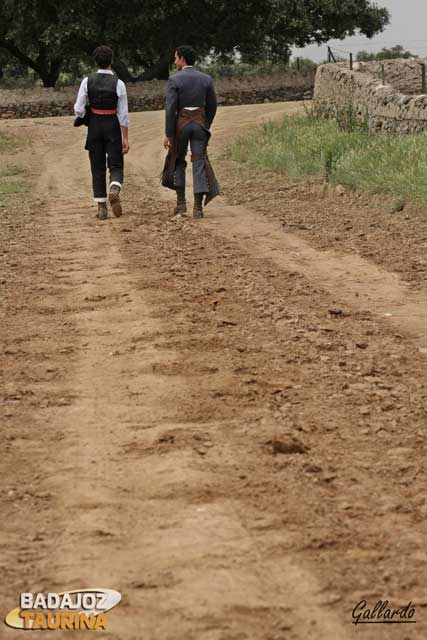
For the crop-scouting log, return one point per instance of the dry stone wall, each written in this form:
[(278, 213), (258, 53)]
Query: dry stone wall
[(397, 106), (40, 103)]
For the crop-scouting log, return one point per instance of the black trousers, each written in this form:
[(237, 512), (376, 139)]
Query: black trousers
[(104, 143)]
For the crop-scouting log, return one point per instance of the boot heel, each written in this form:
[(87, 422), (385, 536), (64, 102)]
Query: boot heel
[(115, 203)]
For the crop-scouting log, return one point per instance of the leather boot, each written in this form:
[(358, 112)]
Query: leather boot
[(198, 205), (114, 199), (181, 205), (102, 211)]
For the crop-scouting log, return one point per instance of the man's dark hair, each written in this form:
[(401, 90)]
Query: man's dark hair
[(186, 52), (103, 56)]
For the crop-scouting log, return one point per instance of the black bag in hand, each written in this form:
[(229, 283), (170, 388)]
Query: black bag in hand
[(78, 122)]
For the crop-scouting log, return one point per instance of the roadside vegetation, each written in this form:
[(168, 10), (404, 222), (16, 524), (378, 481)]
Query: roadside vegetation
[(12, 174), (15, 76), (263, 68), (8, 187), (8, 143), (341, 151), (10, 170)]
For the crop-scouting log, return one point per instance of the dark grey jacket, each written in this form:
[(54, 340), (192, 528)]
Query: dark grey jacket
[(189, 88)]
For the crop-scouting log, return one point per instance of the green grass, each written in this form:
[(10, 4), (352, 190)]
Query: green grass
[(305, 146), (8, 187), (8, 143), (11, 170)]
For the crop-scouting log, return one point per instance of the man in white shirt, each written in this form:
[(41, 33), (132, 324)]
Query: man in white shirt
[(107, 140)]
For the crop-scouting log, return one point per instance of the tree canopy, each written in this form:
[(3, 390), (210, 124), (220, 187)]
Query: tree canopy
[(50, 35)]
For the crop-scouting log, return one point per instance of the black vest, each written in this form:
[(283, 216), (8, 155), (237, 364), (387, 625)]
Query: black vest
[(102, 91)]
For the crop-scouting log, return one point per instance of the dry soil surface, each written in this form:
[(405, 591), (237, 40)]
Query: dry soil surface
[(220, 419)]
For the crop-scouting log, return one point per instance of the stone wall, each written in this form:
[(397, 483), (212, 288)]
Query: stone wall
[(394, 107), (149, 96), (403, 75)]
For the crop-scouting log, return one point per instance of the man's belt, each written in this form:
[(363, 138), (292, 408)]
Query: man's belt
[(104, 112), (185, 116)]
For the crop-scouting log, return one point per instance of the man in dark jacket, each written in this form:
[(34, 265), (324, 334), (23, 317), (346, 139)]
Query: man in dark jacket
[(190, 109), (107, 140)]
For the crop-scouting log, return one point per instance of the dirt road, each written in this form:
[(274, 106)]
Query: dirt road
[(215, 418)]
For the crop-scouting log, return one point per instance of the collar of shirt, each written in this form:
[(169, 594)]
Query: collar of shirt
[(105, 71), (188, 66)]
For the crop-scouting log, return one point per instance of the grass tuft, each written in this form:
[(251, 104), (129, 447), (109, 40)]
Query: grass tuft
[(8, 143), (16, 186), (11, 170)]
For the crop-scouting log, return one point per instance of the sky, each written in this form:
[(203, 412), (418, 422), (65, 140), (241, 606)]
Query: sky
[(408, 27)]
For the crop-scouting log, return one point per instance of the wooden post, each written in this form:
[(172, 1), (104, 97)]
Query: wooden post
[(351, 62), (423, 77), (382, 73), (331, 57), (298, 64)]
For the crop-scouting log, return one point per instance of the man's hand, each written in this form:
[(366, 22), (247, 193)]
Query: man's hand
[(168, 143), (125, 140)]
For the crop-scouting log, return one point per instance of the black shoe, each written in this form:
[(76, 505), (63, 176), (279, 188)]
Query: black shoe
[(198, 212), (180, 209)]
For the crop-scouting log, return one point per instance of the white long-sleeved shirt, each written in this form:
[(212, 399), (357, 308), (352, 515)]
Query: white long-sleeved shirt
[(122, 103)]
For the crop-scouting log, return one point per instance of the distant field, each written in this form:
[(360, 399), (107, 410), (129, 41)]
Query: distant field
[(158, 87)]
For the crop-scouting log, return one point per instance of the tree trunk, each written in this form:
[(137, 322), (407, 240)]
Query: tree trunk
[(47, 70), (50, 72), (159, 70)]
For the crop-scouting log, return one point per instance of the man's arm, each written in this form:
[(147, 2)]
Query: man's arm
[(123, 114), (211, 103), (125, 140), (80, 106), (170, 112)]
